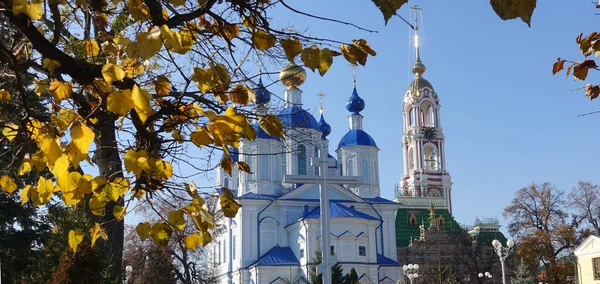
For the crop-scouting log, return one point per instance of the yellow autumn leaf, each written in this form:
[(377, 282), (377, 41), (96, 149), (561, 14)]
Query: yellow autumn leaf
[(120, 102), (82, 137), (141, 101), (118, 212), (162, 170), (60, 90), (310, 57), (143, 230), (325, 60), (203, 79), (132, 67), (161, 233), (91, 48), (242, 166), (239, 95), (198, 239), (148, 43), (220, 77), (120, 185), (4, 95), (85, 184), (96, 206), (162, 85), (272, 125), (292, 47), (10, 131), (60, 166), (228, 204), (33, 9), (138, 10), (75, 238), (63, 118), (96, 232), (8, 184), (112, 72), (176, 3), (26, 194), (173, 40), (44, 190), (51, 149), (176, 219), (262, 40), (201, 137), (50, 64), (68, 181), (41, 86)]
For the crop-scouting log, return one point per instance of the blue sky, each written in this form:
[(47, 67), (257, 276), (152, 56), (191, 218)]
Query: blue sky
[(508, 122)]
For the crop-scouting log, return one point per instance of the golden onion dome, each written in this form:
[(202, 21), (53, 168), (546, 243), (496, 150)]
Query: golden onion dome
[(419, 68), (292, 75)]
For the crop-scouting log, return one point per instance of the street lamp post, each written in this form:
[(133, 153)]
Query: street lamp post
[(503, 253), (128, 270), (411, 271), (486, 274)]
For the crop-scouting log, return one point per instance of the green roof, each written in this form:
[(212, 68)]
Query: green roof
[(418, 84), (405, 231)]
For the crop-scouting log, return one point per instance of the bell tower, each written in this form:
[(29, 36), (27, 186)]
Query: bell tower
[(425, 179)]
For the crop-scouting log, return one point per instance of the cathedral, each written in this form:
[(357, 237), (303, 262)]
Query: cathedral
[(276, 234)]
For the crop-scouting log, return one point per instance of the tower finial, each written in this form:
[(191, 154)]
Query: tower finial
[(320, 94), (353, 66), (418, 68)]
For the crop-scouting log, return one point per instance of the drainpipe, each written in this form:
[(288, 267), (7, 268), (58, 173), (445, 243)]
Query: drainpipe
[(574, 261), (230, 270), (258, 228), (306, 252), (380, 224)]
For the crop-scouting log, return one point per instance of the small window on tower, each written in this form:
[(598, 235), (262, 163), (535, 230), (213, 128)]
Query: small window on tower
[(411, 117), (301, 159), (362, 250), (332, 250), (301, 253)]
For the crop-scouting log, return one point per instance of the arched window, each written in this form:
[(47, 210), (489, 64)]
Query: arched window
[(264, 167), (301, 159), (349, 168), (430, 158), (268, 234), (283, 159), (411, 159), (277, 170), (430, 116), (411, 117), (365, 171), (226, 182), (250, 162)]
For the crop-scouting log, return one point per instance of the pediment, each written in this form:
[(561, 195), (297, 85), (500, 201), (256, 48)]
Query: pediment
[(312, 192)]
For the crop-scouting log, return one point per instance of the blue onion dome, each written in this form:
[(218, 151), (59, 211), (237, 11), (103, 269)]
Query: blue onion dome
[(355, 104), (297, 117), (324, 127), (356, 137), (263, 96)]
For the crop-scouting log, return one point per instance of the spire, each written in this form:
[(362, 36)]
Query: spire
[(432, 219), (418, 68), (324, 127)]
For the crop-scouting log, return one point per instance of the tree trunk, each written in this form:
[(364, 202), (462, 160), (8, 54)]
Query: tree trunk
[(110, 167)]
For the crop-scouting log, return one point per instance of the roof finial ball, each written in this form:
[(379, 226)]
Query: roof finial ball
[(292, 75)]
